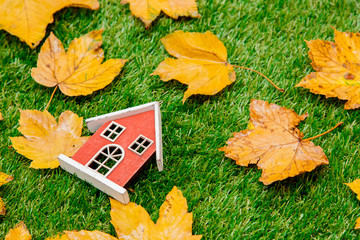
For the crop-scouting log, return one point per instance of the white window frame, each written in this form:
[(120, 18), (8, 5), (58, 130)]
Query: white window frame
[(108, 157), (112, 131), (140, 144)]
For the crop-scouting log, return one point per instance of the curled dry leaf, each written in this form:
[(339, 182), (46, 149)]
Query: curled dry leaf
[(149, 10), (20, 232), (44, 139), (28, 19), (4, 178), (274, 143), (337, 68), (201, 64), (80, 70)]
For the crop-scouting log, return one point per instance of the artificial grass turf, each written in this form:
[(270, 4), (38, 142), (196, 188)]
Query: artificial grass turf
[(227, 201)]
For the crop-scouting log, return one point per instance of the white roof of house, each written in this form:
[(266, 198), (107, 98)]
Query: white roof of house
[(96, 122)]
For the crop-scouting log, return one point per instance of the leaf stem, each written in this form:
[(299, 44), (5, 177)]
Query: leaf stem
[(322, 134), (250, 69), (52, 95)]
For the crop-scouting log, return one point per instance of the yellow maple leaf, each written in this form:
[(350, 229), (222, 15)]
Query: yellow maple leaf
[(88, 235), (20, 232), (59, 237), (79, 71), (4, 178), (337, 68), (132, 222), (149, 10), (357, 225), (201, 64), (45, 139), (174, 220), (28, 19), (355, 187), (275, 144)]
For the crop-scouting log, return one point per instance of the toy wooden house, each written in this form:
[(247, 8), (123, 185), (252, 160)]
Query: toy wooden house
[(121, 145)]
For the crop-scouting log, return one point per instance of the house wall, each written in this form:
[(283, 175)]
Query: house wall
[(143, 123)]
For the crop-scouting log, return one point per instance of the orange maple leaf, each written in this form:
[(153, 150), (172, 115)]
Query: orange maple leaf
[(337, 68), (80, 71), (45, 139), (28, 19), (149, 10), (4, 178), (275, 144), (201, 64)]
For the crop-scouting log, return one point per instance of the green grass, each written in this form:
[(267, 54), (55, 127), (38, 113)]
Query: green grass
[(228, 201)]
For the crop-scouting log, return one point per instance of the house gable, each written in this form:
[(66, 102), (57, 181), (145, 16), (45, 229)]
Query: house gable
[(96, 122), (135, 126)]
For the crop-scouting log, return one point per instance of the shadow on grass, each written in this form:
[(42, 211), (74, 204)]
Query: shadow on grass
[(304, 180)]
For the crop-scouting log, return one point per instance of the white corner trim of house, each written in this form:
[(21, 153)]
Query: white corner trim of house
[(95, 123), (94, 178), (158, 136)]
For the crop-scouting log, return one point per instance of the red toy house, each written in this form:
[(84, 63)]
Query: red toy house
[(121, 145)]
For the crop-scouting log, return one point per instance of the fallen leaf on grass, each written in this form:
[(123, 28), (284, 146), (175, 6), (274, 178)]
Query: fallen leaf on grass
[(20, 232), (275, 144), (28, 19), (59, 237), (80, 70), (337, 68), (44, 139), (1, 117), (357, 225), (355, 187), (132, 222), (149, 10), (4, 178), (89, 235), (201, 63)]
